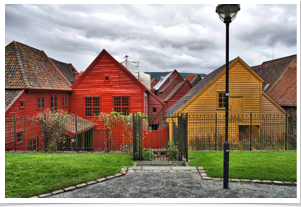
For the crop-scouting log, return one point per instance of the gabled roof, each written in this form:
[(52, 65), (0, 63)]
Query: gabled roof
[(11, 96), (207, 81), (120, 66), (191, 77), (27, 67), (285, 90), (161, 81), (194, 79), (166, 78), (67, 70), (168, 84), (271, 71), (176, 89)]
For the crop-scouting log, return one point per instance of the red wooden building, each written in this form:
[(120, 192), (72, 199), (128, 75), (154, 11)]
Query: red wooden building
[(170, 89), (107, 86), (32, 84)]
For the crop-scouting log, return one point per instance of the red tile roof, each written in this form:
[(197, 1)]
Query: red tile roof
[(27, 67), (285, 91), (191, 77), (280, 79), (67, 69), (11, 96), (270, 71)]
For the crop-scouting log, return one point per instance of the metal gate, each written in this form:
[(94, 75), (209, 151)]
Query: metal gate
[(167, 142)]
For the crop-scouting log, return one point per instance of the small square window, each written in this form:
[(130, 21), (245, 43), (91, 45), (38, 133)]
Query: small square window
[(19, 137), (107, 77), (154, 109), (22, 104)]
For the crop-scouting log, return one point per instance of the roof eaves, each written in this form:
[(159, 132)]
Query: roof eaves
[(8, 108)]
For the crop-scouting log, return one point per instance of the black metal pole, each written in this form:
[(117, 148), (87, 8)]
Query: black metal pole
[(226, 143)]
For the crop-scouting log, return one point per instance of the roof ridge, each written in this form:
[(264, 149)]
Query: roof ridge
[(56, 68), (278, 59), (20, 64)]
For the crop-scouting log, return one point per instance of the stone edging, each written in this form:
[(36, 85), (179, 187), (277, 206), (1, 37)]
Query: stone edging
[(200, 170), (122, 172), (205, 177)]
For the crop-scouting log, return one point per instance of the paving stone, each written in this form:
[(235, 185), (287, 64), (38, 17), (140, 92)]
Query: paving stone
[(267, 182), (124, 169), (138, 170), (200, 168), (206, 178), (91, 182), (159, 162), (202, 171), (118, 175), (110, 177), (278, 182), (245, 180), (183, 168), (70, 188), (288, 183), (57, 192), (44, 195), (172, 171), (157, 171), (81, 185), (101, 180), (203, 174), (235, 180), (295, 183), (156, 168), (144, 162), (216, 179), (135, 168), (165, 170), (175, 162), (256, 181)]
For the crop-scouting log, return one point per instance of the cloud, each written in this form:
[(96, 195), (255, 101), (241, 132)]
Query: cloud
[(189, 38)]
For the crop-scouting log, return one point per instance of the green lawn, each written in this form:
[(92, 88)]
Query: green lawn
[(262, 165), (31, 174)]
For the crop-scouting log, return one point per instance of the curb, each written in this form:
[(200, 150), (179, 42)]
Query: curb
[(200, 170), (204, 176), (122, 172)]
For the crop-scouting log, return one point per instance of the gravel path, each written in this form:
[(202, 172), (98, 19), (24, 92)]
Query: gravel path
[(145, 184)]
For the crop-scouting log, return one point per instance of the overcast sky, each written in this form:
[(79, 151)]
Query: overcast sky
[(189, 38)]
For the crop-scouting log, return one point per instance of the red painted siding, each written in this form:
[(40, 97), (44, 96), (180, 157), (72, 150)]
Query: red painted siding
[(31, 104), (178, 94), (119, 84), (171, 86)]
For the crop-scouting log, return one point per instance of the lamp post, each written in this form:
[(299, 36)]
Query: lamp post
[(227, 13)]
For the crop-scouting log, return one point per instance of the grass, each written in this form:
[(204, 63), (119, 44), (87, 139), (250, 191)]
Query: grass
[(31, 174), (260, 165)]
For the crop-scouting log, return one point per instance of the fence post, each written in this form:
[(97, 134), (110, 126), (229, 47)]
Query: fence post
[(251, 132), (108, 139), (15, 131), (76, 132), (134, 137), (286, 126), (45, 132), (215, 131)]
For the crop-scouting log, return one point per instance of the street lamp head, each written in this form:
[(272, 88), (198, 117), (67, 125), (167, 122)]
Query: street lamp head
[(227, 12)]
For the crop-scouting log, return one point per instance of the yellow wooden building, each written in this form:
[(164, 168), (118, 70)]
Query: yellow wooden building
[(248, 105)]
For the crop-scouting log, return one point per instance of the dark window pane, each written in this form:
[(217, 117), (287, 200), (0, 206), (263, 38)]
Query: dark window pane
[(117, 109), (95, 111), (43, 102), (95, 101), (116, 101), (125, 101), (125, 111), (88, 102), (88, 112)]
